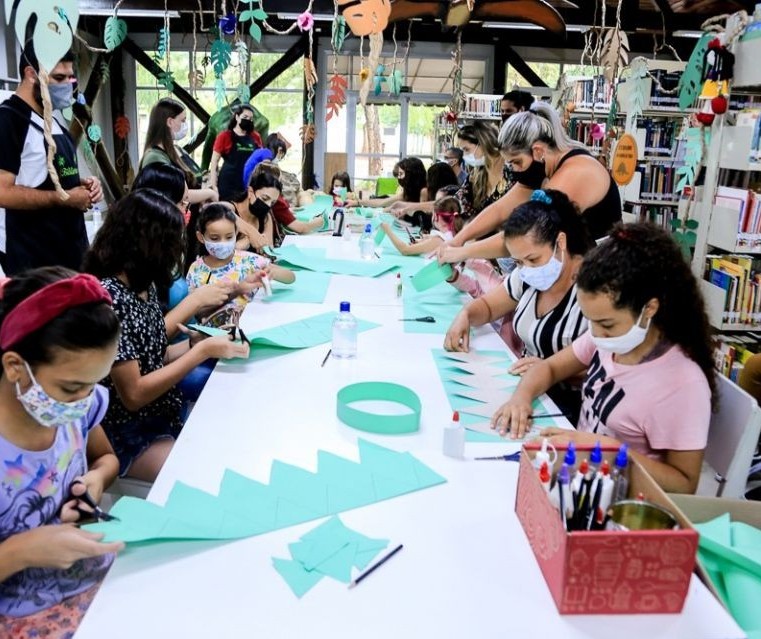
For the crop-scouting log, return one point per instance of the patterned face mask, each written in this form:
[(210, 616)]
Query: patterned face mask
[(47, 411)]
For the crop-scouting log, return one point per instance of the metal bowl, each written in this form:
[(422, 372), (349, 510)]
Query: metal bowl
[(635, 514)]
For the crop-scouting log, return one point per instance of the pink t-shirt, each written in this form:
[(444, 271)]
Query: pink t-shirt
[(660, 405)]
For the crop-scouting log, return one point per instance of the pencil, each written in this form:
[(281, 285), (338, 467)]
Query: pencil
[(376, 565), (538, 415), (324, 361)]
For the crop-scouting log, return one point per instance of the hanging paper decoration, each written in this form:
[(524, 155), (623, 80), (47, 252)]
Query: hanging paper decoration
[(338, 35), (88, 155), (395, 82), (220, 93), (244, 92), (697, 138), (242, 50), (307, 133), (122, 127), (365, 16), (221, 51), (305, 21), (166, 80), (227, 24), (691, 80), (114, 33), (162, 48), (684, 234), (196, 78), (53, 29), (254, 30), (310, 73), (632, 92), (379, 79), (94, 133), (336, 95), (615, 52)]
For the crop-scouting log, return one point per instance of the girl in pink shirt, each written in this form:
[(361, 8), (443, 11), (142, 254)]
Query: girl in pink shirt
[(647, 355)]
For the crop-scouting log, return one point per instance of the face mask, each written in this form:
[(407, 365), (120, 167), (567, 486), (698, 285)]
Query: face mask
[(47, 411), (625, 343), (61, 95), (543, 277), (178, 135), (471, 160), (258, 209), (246, 125), (220, 250), (533, 177)]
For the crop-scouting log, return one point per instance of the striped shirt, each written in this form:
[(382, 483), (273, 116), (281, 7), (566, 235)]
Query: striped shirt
[(546, 335)]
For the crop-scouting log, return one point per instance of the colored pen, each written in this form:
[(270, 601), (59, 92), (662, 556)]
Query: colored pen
[(375, 566), (512, 457), (327, 355), (595, 503), (563, 479)]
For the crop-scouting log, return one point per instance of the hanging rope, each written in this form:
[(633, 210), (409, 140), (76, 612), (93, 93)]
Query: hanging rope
[(295, 24), (47, 111)]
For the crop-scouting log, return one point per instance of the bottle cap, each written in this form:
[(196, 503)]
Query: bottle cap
[(570, 454), (622, 457), (584, 467), (456, 416), (345, 307), (398, 276), (596, 454), (544, 473), (368, 228), (605, 467), (564, 476)]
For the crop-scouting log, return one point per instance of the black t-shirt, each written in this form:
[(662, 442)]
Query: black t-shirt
[(54, 236)]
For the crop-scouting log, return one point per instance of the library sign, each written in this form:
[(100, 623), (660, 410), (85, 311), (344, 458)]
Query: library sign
[(624, 163)]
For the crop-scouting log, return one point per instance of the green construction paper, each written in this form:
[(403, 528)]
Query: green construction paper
[(299, 580), (305, 333), (718, 529), (442, 303), (309, 288), (211, 331), (339, 564), (730, 556), (321, 205), (246, 507), (375, 423), (747, 539), (744, 593), (430, 275), (379, 237), (365, 268)]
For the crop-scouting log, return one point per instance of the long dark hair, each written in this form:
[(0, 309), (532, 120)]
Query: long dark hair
[(639, 262), (89, 326), (142, 237), (164, 178), (545, 221), (414, 179), (438, 176), (236, 111), (275, 144), (262, 180), (160, 135), (345, 179)]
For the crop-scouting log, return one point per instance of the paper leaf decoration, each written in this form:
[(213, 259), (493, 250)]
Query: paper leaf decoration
[(339, 34), (691, 81), (255, 31), (395, 82), (163, 45), (379, 79), (615, 53), (94, 133), (220, 93), (241, 49), (114, 32), (307, 133), (220, 56), (122, 127), (244, 93), (166, 79), (68, 114), (310, 73), (692, 157), (196, 78), (88, 154), (684, 234), (52, 33), (366, 17), (336, 95)]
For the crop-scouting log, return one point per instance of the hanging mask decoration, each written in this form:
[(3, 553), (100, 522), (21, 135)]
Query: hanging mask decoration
[(718, 70), (365, 16)]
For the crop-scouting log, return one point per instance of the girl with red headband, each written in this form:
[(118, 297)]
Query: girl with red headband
[(58, 338), (447, 220), (138, 249)]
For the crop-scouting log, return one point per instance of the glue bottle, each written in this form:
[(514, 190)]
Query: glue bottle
[(545, 477), (398, 284), (543, 455), (266, 284), (454, 438)]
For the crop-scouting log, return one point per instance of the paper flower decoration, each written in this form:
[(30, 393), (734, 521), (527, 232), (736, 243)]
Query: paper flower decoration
[(305, 21), (364, 74), (598, 132), (227, 24), (451, 117)]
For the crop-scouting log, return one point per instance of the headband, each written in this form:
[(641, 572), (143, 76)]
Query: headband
[(48, 303)]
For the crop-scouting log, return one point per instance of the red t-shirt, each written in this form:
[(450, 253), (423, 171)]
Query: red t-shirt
[(223, 144), (282, 212)]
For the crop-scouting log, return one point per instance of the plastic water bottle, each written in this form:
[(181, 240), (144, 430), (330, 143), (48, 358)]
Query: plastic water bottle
[(344, 333), (366, 243)]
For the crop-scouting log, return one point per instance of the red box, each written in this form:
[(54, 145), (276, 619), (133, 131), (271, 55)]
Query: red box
[(601, 572)]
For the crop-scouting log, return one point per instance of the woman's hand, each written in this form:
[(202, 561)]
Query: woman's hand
[(351, 204), (386, 228), (458, 335), (223, 347), (448, 254), (523, 364), (513, 417), (213, 295), (59, 546)]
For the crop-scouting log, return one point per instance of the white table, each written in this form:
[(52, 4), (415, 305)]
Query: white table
[(466, 569)]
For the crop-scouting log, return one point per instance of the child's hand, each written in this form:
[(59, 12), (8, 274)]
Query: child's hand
[(523, 364), (223, 347), (212, 295), (60, 546), (89, 482), (195, 337)]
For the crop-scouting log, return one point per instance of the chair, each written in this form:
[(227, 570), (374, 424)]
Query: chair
[(386, 186), (732, 438)]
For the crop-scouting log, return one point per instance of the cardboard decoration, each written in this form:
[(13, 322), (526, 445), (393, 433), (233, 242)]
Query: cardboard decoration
[(624, 161), (365, 16)]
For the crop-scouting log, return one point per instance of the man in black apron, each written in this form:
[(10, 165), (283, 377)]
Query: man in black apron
[(37, 227)]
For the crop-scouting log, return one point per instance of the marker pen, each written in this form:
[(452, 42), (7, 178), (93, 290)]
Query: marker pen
[(620, 480), (595, 458)]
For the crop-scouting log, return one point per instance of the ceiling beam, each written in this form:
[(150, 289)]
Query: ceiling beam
[(520, 65)]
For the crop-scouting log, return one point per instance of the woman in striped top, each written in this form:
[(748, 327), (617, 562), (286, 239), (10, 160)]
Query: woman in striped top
[(547, 238)]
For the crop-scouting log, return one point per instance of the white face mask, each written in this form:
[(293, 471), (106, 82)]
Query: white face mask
[(543, 277), (220, 250), (179, 135), (625, 343), (471, 160)]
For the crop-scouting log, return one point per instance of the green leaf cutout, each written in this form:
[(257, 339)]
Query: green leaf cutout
[(339, 34), (691, 81), (220, 56), (115, 32)]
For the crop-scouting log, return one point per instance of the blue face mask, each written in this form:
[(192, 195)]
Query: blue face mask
[(61, 95), (220, 250), (543, 277)]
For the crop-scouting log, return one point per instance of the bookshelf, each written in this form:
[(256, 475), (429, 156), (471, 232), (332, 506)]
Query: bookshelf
[(480, 106)]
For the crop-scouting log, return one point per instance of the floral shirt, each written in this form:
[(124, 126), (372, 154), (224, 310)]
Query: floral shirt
[(236, 270), (33, 487), (466, 196)]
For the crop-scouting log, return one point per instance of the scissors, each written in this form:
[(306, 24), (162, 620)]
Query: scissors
[(235, 328), (427, 319), (98, 514)]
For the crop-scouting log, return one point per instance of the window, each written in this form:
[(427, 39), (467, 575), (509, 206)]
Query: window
[(281, 102), (547, 71)]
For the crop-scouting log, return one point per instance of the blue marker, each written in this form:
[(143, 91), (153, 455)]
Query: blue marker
[(564, 495), (595, 459), (620, 481), (570, 456)]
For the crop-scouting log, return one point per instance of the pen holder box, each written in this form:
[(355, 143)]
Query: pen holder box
[(607, 572)]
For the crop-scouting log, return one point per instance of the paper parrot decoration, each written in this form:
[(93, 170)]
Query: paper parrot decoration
[(456, 13)]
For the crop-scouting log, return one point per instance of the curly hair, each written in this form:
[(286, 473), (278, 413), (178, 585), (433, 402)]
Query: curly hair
[(414, 179), (142, 237), (545, 221), (85, 327), (640, 262)]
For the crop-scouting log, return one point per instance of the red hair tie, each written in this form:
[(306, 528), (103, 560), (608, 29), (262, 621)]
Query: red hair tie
[(48, 303)]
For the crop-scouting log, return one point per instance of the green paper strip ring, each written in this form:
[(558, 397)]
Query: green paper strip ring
[(430, 275), (372, 422)]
